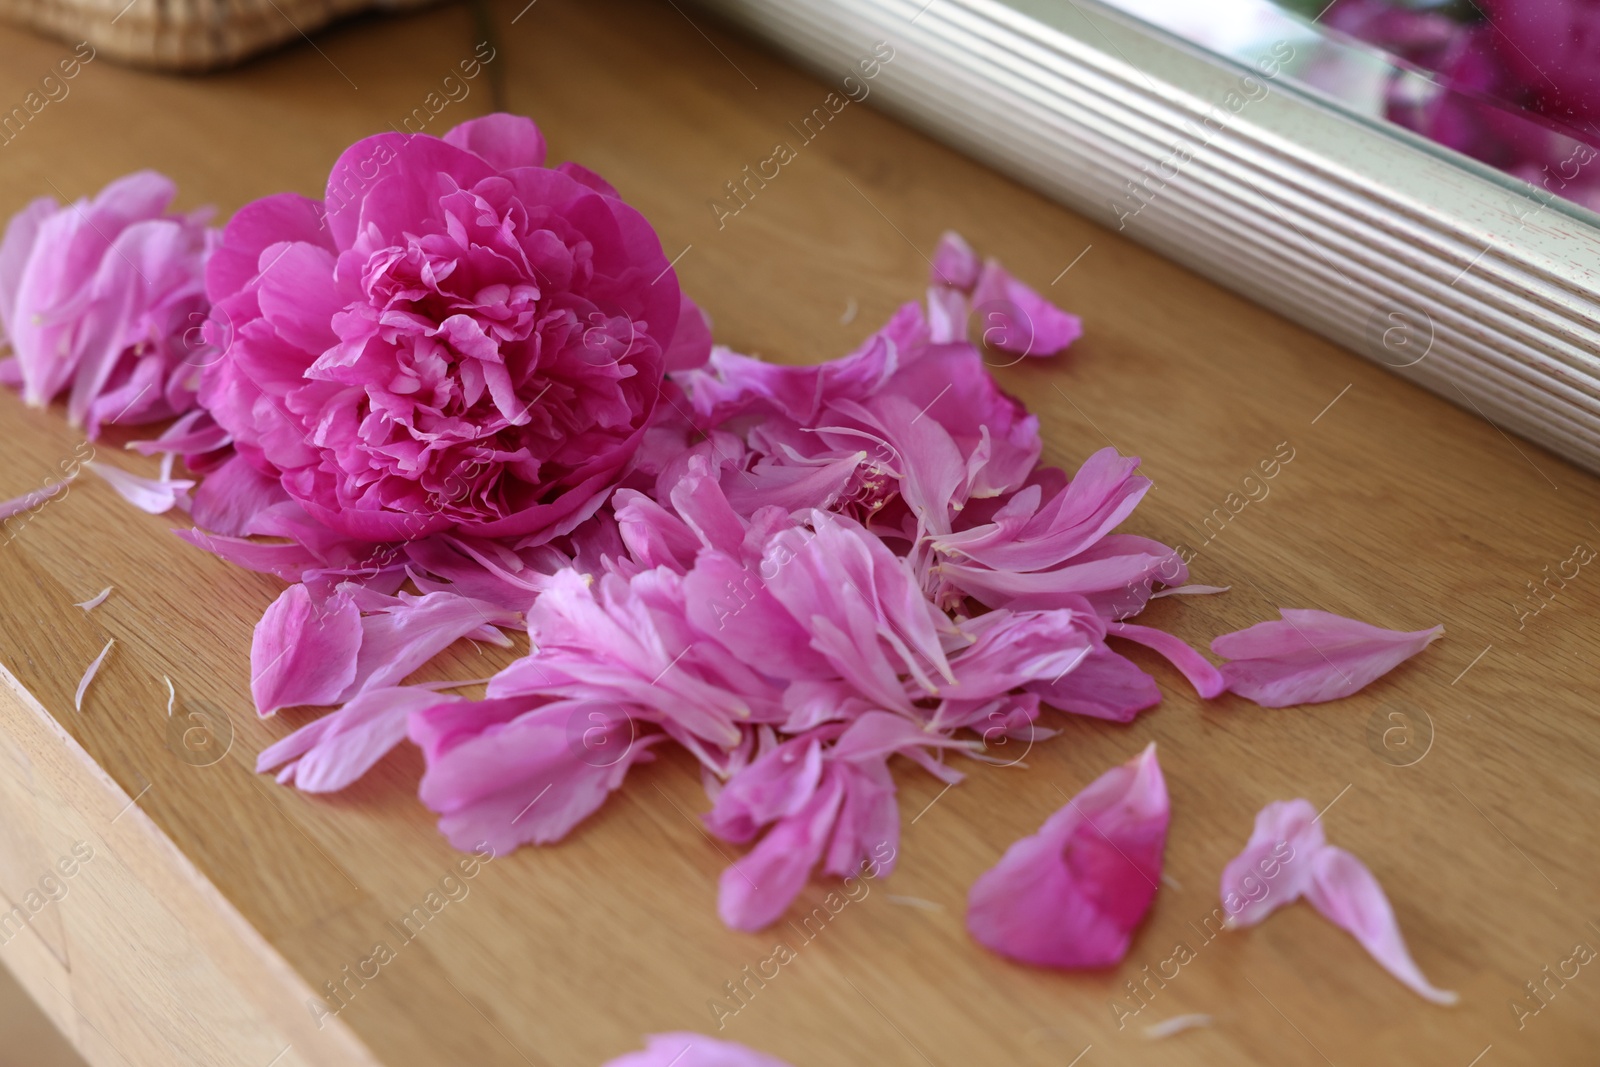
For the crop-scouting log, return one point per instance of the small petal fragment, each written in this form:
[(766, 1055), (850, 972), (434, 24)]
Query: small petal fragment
[(1308, 657), (1070, 895), (153, 495), (94, 601), (88, 675), (693, 1050)]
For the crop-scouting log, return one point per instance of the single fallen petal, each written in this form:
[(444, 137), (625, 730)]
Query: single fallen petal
[(172, 694), (304, 651), (94, 601), (1071, 894), (1206, 679), (1017, 319), (1344, 891), (153, 495), (1275, 867), (1307, 656), (1190, 590), (331, 752), (684, 1049), (1175, 1025), (88, 675)]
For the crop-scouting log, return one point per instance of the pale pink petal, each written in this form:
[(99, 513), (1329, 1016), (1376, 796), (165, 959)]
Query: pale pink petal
[(191, 435), (1190, 590), (774, 785), (1275, 867), (1343, 890), (684, 1049), (331, 752), (153, 495), (1205, 678), (304, 651), (1017, 319), (761, 885), (94, 601), (88, 675), (401, 638), (15, 248), (1308, 656), (28, 501), (947, 315), (866, 834), (1071, 895), (955, 264), (505, 774)]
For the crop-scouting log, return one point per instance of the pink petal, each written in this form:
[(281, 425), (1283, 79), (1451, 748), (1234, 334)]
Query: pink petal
[(304, 652), (1105, 686), (153, 495), (775, 785), (88, 675), (1311, 656), (758, 888), (691, 342), (955, 264), (231, 496), (94, 601), (28, 501), (693, 1050), (331, 752), (15, 248), (504, 778), (1343, 890), (1019, 320), (1071, 895), (1275, 867), (503, 141), (1205, 678), (403, 637)]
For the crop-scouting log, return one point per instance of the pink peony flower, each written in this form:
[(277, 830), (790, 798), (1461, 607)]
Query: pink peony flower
[(104, 299), (693, 1050), (1071, 894), (1288, 857), (457, 338)]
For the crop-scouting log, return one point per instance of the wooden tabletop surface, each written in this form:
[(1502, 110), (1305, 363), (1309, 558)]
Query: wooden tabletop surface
[(218, 903)]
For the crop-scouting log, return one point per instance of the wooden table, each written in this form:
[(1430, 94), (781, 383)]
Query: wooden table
[(217, 904)]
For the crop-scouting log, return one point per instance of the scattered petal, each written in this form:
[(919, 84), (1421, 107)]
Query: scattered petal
[(1307, 657), (685, 1049), (28, 501), (304, 650), (1206, 679), (172, 694), (88, 675), (94, 601), (1071, 895), (153, 495), (1019, 320), (329, 753), (1175, 1025)]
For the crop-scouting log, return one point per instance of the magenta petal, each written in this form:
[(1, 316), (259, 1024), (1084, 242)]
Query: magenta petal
[(402, 638), (503, 141), (1071, 895), (1105, 685), (1205, 678), (693, 1050), (1275, 867), (1019, 320), (232, 495), (955, 264), (340, 747), (1343, 890), (304, 652), (691, 342), (758, 888), (1311, 656)]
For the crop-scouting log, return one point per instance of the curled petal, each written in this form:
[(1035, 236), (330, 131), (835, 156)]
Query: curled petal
[(153, 495), (1307, 657), (1275, 867), (1070, 895), (329, 753), (757, 889), (1205, 678), (1019, 320), (303, 651), (1344, 891), (955, 264)]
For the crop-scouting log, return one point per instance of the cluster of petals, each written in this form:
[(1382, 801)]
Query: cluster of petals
[(103, 301)]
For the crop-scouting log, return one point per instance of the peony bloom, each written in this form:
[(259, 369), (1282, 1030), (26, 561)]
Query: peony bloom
[(1071, 894), (457, 338), (1288, 857), (104, 299)]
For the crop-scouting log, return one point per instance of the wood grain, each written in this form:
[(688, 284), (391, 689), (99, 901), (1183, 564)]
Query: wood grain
[(218, 903)]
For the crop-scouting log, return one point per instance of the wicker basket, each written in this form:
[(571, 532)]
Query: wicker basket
[(188, 35)]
